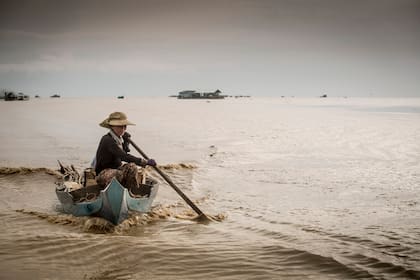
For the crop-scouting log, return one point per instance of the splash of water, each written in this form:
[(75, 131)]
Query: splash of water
[(101, 226), (173, 166)]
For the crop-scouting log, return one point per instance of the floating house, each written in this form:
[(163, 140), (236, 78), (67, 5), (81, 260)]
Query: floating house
[(11, 96), (21, 96), (192, 94)]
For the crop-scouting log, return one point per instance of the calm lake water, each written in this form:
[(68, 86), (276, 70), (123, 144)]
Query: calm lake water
[(317, 188)]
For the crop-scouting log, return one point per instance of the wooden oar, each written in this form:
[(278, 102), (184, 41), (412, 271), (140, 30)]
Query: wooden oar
[(201, 215)]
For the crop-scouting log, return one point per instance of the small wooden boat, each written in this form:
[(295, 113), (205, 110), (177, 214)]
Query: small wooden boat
[(112, 203)]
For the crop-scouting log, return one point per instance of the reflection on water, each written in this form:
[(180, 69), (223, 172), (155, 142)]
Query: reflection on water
[(300, 189)]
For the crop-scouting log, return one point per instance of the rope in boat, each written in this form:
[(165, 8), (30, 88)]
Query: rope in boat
[(88, 197)]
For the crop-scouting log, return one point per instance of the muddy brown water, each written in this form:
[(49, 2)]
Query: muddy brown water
[(301, 188)]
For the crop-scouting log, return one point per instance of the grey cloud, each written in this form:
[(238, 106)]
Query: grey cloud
[(367, 45)]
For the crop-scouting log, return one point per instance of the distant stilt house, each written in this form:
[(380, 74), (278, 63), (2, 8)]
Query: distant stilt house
[(192, 94), (21, 96), (188, 94), (11, 96)]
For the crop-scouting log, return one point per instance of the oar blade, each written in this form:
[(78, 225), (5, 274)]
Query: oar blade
[(203, 219)]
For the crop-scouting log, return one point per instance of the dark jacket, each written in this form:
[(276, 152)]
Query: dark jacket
[(110, 155)]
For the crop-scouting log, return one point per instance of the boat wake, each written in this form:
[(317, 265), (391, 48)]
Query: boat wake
[(4, 170), (175, 166), (28, 170), (99, 225)]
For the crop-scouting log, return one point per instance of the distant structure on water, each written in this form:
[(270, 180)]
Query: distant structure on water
[(11, 96), (324, 96), (192, 94), (55, 96), (121, 97)]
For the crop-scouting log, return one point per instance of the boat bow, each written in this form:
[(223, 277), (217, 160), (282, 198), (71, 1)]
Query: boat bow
[(114, 203)]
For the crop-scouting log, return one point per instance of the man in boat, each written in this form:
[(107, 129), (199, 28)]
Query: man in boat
[(113, 151)]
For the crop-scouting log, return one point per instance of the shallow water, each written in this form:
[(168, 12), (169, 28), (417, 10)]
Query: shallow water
[(303, 188)]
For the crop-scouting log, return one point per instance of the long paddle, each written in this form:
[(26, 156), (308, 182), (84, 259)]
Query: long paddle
[(201, 215)]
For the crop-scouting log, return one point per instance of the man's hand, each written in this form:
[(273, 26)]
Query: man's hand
[(151, 162), (126, 136)]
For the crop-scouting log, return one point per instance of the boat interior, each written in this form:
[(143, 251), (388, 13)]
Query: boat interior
[(86, 188), (91, 191)]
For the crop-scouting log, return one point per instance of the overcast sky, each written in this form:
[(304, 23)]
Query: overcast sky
[(251, 47)]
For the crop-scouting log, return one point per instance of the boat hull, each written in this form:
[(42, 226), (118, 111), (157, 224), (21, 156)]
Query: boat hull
[(113, 203)]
